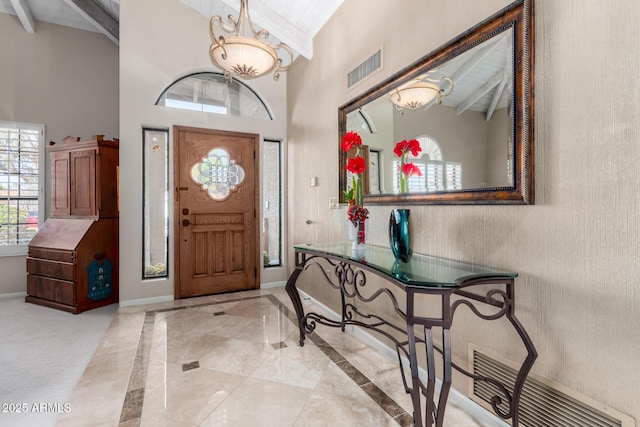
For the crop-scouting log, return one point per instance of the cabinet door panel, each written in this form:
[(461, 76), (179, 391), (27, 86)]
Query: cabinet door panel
[(83, 182), (60, 184)]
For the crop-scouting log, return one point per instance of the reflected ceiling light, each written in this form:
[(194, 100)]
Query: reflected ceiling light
[(245, 52), (419, 94)]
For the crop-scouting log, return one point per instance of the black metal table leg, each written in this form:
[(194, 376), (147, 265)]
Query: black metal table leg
[(415, 378), (431, 372), (446, 376), (292, 291)]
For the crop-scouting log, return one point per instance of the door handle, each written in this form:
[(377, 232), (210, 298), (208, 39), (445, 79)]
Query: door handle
[(186, 222)]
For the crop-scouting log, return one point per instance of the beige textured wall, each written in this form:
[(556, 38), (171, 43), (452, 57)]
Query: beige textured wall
[(64, 78), (577, 249)]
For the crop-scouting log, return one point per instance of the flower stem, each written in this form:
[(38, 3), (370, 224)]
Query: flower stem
[(404, 184)]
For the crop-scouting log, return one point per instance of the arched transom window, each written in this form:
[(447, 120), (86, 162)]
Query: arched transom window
[(213, 93)]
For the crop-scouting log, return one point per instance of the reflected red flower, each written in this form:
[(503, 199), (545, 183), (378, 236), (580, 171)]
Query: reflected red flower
[(356, 165), (409, 169), (412, 146), (350, 140)]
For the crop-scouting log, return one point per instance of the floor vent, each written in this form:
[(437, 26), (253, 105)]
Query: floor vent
[(370, 65), (544, 403)]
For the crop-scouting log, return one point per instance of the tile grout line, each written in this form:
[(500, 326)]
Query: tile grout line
[(386, 403), (134, 397)]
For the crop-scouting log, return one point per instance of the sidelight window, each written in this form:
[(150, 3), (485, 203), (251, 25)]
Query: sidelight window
[(156, 203), (272, 205)]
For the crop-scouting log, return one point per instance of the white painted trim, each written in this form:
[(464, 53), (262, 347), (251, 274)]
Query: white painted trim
[(272, 285), (142, 301), (13, 295), (460, 400), (14, 251)]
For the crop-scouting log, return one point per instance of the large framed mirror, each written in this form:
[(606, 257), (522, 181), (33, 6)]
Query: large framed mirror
[(470, 106)]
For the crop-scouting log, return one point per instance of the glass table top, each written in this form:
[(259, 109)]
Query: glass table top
[(420, 271)]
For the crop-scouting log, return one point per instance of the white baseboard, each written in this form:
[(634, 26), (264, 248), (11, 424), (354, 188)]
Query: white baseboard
[(143, 301), (166, 298), (271, 285), (460, 400), (13, 295)]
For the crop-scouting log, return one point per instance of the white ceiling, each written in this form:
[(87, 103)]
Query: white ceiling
[(60, 11), (294, 22)]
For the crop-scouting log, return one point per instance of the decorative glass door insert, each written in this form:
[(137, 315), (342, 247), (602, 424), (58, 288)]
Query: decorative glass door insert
[(218, 174)]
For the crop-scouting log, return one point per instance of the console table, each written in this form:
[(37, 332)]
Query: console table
[(455, 283)]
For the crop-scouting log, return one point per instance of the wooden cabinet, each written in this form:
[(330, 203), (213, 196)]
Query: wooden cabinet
[(84, 178), (73, 259)]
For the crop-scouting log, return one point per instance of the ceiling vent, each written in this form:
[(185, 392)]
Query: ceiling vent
[(371, 64), (543, 403)]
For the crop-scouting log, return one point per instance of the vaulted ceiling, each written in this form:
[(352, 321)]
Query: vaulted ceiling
[(91, 15), (294, 22)]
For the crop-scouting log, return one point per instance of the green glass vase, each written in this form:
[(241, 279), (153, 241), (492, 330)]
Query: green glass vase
[(399, 234)]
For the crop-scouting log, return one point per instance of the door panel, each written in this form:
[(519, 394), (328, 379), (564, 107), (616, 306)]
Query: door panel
[(216, 227)]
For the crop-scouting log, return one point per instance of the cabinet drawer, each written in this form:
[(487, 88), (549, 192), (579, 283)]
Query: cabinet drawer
[(51, 289), (52, 255), (55, 269)]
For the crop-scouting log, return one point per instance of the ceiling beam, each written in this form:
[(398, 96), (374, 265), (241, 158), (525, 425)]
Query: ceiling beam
[(266, 18), (98, 17), (497, 94), (25, 15), (490, 84), (470, 64)]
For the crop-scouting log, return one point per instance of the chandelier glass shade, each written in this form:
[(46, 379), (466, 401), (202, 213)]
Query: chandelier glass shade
[(419, 94), (245, 52)]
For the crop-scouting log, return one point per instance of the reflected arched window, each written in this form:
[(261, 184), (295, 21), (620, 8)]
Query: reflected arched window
[(435, 173), (430, 147), (360, 121), (213, 93)]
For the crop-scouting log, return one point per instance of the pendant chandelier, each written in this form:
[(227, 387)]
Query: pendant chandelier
[(420, 94), (245, 52)]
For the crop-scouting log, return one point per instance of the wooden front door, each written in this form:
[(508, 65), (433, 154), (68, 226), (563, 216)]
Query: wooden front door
[(215, 176)]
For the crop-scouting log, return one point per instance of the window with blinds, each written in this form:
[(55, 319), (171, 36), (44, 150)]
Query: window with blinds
[(436, 176), (21, 154)]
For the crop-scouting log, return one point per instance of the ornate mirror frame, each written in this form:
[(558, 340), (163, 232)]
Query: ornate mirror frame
[(519, 18)]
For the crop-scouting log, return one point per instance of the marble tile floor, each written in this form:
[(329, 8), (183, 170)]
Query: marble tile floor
[(234, 360)]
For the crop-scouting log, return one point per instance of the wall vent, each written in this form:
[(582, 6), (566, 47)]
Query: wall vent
[(371, 64), (543, 403)]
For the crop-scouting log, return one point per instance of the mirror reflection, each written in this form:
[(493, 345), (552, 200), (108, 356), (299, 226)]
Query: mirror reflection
[(468, 106), (461, 114)]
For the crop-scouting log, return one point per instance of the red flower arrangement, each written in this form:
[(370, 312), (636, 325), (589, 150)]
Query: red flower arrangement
[(356, 213), (407, 169)]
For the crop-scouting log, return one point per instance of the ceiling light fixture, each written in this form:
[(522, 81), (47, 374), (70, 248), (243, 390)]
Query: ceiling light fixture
[(245, 53), (419, 94)]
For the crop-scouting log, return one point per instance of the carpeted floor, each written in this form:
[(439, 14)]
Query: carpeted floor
[(43, 354)]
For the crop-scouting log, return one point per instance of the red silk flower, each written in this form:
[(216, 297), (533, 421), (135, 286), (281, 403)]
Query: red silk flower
[(356, 165), (409, 169), (350, 140), (412, 146)]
